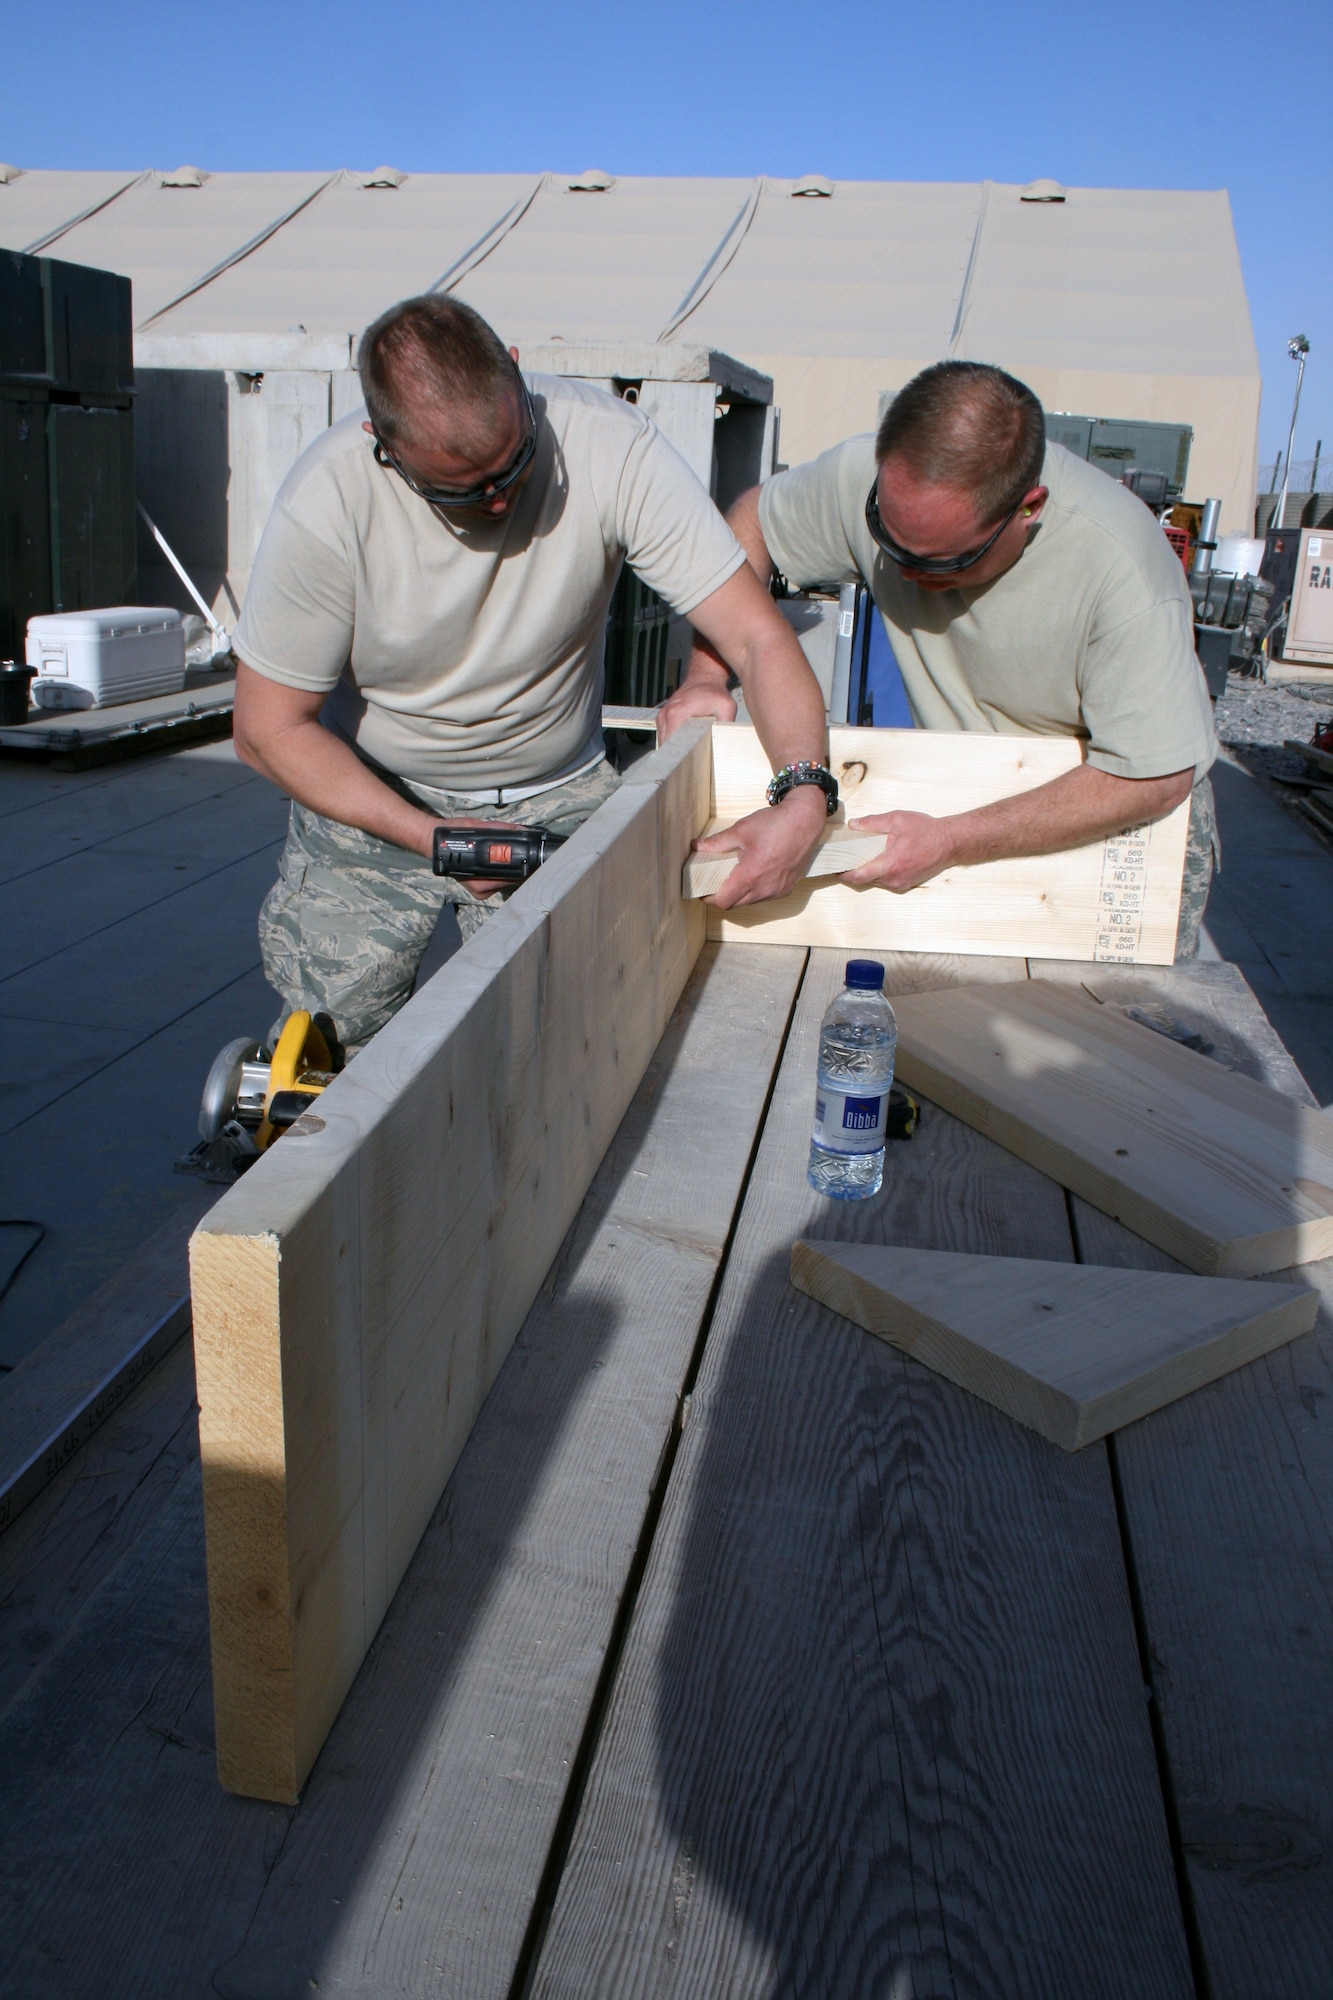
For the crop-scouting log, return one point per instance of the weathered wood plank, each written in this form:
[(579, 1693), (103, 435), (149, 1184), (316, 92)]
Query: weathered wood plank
[(355, 1294), (1070, 1350), (879, 1723), (1117, 899), (431, 1816), (1231, 1177), (1228, 1505)]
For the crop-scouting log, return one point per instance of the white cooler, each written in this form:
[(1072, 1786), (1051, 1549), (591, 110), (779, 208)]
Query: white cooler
[(93, 659)]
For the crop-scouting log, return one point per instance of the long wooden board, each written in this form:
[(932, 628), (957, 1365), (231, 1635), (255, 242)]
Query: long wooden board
[(413, 1861), (418, 1852), (1117, 900), (356, 1293), (1220, 1171), (1070, 1350)]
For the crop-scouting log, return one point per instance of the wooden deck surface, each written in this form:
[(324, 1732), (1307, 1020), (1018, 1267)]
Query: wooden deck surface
[(743, 1655)]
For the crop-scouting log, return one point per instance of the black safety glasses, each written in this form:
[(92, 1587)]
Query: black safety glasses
[(928, 565), (446, 497)]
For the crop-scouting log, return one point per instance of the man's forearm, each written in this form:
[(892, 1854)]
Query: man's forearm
[(787, 710), (320, 771), (1071, 810)]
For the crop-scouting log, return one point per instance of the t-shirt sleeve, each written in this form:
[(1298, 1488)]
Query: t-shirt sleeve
[(1143, 698), (296, 623), (809, 515), (672, 534)]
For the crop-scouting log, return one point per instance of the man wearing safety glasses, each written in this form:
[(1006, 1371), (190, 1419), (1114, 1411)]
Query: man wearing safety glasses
[(1023, 592), (422, 641)]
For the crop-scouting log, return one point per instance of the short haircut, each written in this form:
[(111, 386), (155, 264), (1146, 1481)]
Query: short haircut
[(970, 427), (444, 351)]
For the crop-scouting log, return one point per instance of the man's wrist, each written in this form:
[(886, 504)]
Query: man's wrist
[(704, 669), (804, 801)]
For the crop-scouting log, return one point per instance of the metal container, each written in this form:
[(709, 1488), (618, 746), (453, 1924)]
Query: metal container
[(15, 681)]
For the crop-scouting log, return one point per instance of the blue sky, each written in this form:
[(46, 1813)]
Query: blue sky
[(1122, 95)]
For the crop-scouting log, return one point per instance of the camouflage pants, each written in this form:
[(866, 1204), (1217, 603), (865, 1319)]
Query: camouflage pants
[(347, 923), (1203, 852)]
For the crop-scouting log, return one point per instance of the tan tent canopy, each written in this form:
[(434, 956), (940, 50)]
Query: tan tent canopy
[(1110, 302)]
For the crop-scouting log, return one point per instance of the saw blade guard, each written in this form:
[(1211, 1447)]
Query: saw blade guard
[(222, 1087)]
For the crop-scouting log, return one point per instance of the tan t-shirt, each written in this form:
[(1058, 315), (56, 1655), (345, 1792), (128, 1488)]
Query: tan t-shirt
[(1090, 634), (469, 655)]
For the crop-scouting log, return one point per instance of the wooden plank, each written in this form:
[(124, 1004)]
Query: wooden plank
[(431, 1818), (1321, 760), (1228, 1507), (837, 852), (60, 1393), (1218, 1170), (1070, 1350), (879, 1723), (414, 1858), (1116, 900), (356, 1293)]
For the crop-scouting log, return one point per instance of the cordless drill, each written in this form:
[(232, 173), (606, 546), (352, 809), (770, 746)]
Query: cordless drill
[(507, 854)]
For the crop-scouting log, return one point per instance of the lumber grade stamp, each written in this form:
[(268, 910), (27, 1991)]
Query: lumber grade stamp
[(356, 1293), (1229, 1176), (879, 1723), (1116, 900), (1070, 1350)]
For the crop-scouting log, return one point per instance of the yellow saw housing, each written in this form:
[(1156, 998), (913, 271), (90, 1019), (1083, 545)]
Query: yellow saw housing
[(301, 1062)]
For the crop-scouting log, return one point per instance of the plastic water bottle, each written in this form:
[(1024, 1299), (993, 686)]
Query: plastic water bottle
[(858, 1040)]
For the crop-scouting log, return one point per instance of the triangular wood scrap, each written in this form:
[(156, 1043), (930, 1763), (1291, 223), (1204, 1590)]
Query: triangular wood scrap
[(1070, 1350)]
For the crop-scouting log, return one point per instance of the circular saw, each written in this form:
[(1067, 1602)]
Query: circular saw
[(252, 1096)]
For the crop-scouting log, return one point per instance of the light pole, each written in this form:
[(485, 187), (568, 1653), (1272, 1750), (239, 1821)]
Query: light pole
[(1297, 349)]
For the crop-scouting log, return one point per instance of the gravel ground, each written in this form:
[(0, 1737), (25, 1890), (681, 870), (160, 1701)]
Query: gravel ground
[(1253, 722)]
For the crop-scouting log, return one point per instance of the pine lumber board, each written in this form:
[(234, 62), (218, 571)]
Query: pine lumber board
[(1228, 1506), (355, 1294), (878, 1725), (432, 1816), (1071, 1350), (837, 852), (1231, 1177), (1116, 900), (413, 1860)]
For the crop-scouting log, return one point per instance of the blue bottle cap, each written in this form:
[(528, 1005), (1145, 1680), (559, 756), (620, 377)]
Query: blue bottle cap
[(865, 972)]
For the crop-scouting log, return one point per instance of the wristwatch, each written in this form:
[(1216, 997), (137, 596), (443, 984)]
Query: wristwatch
[(791, 775)]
